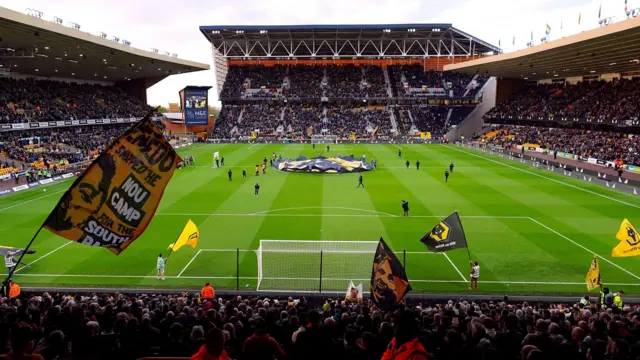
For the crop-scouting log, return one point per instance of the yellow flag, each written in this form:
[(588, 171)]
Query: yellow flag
[(189, 236), (593, 276), (629, 240)]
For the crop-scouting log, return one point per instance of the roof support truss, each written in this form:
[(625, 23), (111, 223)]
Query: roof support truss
[(443, 44)]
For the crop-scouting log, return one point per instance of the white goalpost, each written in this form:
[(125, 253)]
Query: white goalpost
[(310, 265)]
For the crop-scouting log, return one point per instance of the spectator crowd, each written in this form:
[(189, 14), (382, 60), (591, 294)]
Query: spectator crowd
[(613, 100), (602, 145), (118, 326), (28, 100)]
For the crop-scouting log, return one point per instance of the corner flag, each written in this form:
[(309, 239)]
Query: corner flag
[(593, 276), (447, 235), (189, 236), (629, 240)]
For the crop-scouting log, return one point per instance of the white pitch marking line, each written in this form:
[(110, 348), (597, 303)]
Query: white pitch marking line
[(252, 146), (396, 146), (548, 178), (32, 200), (324, 207), (45, 255), (346, 215), (189, 263), (584, 248), (455, 267)]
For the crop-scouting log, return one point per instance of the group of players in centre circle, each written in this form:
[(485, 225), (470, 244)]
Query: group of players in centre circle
[(263, 166)]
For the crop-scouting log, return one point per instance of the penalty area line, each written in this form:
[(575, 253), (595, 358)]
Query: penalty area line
[(189, 263), (43, 256), (455, 267), (586, 249)]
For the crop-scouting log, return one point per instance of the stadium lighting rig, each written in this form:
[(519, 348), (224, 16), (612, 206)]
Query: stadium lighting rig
[(154, 50), (126, 42), (57, 20), (633, 13), (74, 26), (115, 38), (102, 34)]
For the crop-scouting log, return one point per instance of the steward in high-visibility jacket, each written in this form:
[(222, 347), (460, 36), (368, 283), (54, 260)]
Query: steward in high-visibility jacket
[(585, 300), (208, 292), (617, 299), (14, 289)]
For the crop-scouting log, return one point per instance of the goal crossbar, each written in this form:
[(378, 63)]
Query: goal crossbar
[(310, 261)]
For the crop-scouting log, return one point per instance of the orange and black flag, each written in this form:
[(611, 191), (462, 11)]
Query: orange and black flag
[(446, 235), (389, 282), (113, 201)]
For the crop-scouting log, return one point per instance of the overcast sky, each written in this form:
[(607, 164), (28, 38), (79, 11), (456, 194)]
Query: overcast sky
[(173, 25)]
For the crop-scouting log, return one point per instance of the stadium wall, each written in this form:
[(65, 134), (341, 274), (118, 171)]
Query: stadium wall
[(475, 121), (138, 87), (505, 88)]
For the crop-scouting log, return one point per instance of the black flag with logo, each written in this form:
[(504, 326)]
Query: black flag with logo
[(446, 235)]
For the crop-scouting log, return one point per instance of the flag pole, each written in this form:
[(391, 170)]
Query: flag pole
[(465, 235), (10, 274)]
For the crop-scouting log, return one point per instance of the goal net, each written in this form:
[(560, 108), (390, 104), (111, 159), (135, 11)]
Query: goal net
[(324, 139), (308, 265)]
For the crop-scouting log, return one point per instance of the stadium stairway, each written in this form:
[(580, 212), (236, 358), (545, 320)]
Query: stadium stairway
[(469, 85), (392, 81), (386, 81)]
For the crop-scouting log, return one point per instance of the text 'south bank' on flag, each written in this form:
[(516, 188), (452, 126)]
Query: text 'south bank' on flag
[(389, 282), (113, 201), (593, 276), (447, 235), (189, 236), (629, 241)]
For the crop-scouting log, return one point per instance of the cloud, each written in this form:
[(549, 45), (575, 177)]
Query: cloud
[(174, 26)]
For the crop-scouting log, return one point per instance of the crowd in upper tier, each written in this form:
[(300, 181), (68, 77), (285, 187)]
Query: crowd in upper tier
[(613, 100), (131, 326), (28, 100), (345, 81)]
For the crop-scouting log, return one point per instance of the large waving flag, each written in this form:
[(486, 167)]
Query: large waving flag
[(113, 201), (189, 236), (446, 235), (547, 30), (389, 282), (629, 241), (593, 276)]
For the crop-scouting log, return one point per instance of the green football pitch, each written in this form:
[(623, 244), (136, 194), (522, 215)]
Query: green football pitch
[(532, 231)]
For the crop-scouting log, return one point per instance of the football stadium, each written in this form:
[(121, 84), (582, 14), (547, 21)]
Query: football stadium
[(353, 169)]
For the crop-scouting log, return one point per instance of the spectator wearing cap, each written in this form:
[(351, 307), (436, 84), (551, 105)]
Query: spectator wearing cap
[(260, 345)]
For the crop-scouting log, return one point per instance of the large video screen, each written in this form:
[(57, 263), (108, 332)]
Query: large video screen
[(196, 106)]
